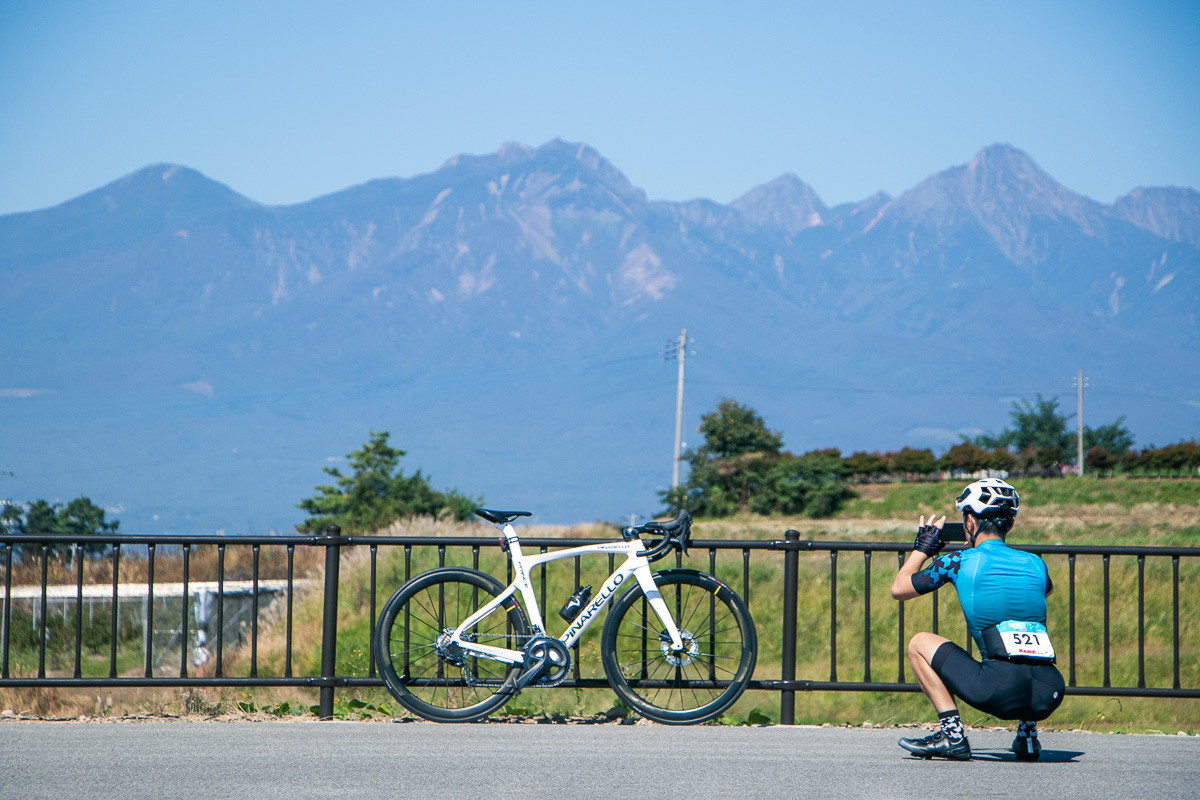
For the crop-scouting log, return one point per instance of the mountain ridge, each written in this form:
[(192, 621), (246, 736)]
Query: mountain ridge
[(504, 314)]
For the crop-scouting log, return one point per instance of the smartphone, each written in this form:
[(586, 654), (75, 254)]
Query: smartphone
[(953, 532)]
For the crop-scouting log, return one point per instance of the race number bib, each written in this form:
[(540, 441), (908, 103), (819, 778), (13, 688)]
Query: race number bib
[(1025, 640)]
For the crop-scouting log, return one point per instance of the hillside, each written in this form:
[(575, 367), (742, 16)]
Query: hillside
[(1160, 512)]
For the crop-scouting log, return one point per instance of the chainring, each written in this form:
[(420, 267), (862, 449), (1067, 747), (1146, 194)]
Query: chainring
[(557, 660)]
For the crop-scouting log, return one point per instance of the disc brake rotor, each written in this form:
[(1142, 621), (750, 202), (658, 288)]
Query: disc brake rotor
[(683, 656)]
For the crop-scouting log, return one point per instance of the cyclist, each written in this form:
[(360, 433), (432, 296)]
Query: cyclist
[(1003, 596)]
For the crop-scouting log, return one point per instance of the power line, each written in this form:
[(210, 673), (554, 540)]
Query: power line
[(793, 387), (1149, 396)]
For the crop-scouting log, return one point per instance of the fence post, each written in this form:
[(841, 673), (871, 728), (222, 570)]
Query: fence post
[(333, 551), (791, 568)]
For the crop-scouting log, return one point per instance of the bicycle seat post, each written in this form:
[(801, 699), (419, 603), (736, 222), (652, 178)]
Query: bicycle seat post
[(504, 521), (510, 541)]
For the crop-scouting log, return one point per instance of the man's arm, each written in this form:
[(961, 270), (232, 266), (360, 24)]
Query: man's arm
[(927, 545), (902, 586)]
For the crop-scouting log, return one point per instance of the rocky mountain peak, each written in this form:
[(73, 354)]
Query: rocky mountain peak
[(170, 188), (1005, 193), (786, 203), (557, 162), (1171, 212), (157, 198)]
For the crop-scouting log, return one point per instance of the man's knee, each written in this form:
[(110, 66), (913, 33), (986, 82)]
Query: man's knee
[(924, 645), (914, 650)]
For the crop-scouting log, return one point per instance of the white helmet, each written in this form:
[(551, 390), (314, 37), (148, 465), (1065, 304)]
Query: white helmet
[(990, 497)]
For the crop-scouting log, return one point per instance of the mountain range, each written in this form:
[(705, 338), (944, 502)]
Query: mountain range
[(191, 359)]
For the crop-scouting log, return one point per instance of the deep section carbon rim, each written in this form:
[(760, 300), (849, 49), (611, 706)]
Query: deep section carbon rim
[(426, 674), (696, 682)]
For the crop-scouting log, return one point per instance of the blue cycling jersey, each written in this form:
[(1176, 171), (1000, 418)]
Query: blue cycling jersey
[(994, 583)]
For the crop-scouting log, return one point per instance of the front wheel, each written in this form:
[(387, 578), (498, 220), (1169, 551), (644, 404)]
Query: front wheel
[(694, 683), (431, 676)]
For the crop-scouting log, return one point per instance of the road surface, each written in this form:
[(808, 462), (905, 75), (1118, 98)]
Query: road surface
[(299, 760)]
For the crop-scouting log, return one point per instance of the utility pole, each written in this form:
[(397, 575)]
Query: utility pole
[(1079, 382), (678, 351)]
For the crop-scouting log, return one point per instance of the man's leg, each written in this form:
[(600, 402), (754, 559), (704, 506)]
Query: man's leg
[(950, 741), (1026, 745), (1047, 693), (920, 654)]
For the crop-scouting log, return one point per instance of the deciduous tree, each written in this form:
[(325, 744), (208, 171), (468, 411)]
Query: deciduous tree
[(80, 518), (740, 468), (1113, 437), (377, 493)]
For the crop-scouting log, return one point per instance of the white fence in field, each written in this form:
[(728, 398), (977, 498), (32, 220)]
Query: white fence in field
[(134, 606)]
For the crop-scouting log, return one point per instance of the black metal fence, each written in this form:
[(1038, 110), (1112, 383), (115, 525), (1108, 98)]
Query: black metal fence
[(820, 607)]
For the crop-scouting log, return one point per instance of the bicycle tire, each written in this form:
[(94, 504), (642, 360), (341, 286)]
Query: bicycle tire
[(702, 681), (427, 683)]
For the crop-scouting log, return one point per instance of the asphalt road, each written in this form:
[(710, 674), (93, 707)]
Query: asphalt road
[(297, 760)]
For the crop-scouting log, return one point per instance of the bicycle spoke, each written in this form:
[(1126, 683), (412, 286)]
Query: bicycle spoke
[(421, 668), (692, 683)]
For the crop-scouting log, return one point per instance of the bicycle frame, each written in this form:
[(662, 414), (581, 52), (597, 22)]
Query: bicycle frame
[(635, 564)]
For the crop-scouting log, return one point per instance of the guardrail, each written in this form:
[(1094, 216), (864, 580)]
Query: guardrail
[(852, 614)]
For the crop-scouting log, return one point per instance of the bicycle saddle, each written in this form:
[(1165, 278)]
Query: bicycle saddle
[(501, 517)]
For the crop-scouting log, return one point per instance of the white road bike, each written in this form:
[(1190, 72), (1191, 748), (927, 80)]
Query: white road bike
[(678, 646)]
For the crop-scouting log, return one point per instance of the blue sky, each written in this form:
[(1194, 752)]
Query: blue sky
[(286, 101)]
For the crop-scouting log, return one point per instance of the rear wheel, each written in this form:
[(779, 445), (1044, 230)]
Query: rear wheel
[(693, 683), (431, 676)]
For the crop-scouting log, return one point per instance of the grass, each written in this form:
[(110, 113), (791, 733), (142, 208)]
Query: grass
[(1068, 511)]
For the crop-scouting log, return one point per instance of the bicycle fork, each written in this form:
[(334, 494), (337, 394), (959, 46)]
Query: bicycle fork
[(659, 605)]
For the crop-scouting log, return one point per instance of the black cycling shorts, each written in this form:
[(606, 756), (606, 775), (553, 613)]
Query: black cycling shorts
[(1004, 689)]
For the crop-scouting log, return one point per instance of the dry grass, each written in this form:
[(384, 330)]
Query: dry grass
[(203, 565)]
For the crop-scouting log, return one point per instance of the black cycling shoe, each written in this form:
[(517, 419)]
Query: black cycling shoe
[(1027, 749), (939, 745)]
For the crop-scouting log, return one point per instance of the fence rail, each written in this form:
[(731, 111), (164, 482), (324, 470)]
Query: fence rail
[(1149, 631)]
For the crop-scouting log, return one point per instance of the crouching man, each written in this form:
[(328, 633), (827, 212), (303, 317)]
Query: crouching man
[(1003, 596)]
